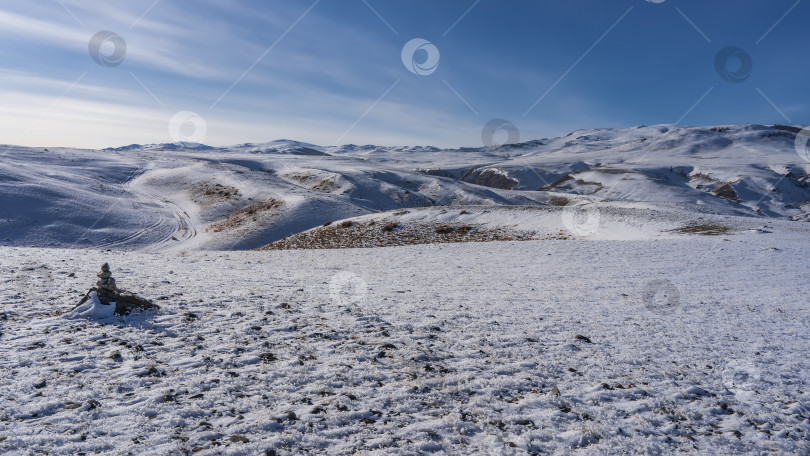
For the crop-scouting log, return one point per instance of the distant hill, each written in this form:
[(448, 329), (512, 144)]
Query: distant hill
[(249, 195)]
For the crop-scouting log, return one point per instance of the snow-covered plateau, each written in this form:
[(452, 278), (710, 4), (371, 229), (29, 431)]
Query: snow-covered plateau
[(638, 291)]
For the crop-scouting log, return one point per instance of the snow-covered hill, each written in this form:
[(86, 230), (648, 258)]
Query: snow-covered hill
[(170, 196)]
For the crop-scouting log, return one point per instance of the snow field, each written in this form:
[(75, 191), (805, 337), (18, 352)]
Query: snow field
[(693, 345)]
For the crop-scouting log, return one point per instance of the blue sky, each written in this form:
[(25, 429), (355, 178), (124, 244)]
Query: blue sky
[(331, 72)]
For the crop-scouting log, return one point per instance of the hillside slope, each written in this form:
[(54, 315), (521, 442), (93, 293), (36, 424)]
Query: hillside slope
[(169, 197)]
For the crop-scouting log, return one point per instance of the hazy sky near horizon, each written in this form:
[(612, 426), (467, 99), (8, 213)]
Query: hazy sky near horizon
[(333, 72)]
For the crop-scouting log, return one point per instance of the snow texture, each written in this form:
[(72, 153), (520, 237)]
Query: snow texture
[(688, 345)]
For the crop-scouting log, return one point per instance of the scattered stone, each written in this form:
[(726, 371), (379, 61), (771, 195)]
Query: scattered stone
[(93, 404), (40, 385), (152, 371), (267, 357), (239, 439), (555, 391), (583, 338), (116, 356), (292, 416)]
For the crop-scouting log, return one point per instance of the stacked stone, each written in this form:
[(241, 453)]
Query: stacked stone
[(105, 277), (107, 291)]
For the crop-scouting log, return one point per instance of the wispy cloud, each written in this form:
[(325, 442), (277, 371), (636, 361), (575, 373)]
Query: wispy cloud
[(325, 73), (54, 33)]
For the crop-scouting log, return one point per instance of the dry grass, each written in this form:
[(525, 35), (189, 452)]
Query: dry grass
[(315, 182), (246, 214), (558, 201), (569, 182), (210, 192), (444, 229), (373, 234), (705, 229), (447, 229), (727, 192)]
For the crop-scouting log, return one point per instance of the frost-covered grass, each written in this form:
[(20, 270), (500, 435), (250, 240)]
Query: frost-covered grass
[(455, 348)]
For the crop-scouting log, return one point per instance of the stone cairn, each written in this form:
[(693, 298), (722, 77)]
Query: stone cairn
[(108, 293), (105, 287)]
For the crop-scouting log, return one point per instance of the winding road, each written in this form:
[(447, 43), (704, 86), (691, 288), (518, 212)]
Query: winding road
[(167, 213)]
